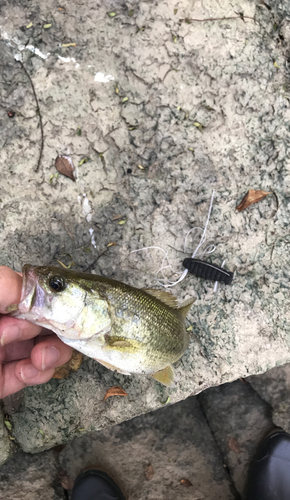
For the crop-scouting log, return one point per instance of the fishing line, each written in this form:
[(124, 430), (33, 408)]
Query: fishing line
[(216, 283), (166, 282)]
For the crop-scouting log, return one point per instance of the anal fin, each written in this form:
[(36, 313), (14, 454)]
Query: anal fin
[(185, 307), (164, 376)]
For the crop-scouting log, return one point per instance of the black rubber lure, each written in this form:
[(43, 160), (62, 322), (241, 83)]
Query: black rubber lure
[(208, 271)]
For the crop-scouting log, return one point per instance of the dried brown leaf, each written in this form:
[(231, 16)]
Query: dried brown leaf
[(234, 445), (65, 480), (116, 217), (149, 472), (75, 361), (64, 166), (251, 197), (71, 366), (185, 482), (61, 372), (115, 391)]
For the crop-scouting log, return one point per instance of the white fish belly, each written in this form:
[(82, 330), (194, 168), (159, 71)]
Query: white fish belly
[(126, 362)]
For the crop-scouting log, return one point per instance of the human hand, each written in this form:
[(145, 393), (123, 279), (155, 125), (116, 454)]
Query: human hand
[(29, 354)]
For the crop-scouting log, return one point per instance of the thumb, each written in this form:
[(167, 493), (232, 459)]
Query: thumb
[(10, 288)]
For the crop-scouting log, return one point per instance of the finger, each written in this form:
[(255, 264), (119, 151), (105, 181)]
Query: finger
[(17, 375), (16, 351), (23, 349), (10, 288), (12, 329), (50, 352)]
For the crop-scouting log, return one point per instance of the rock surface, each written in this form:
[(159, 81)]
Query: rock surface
[(177, 443), (6, 447), (163, 110), (274, 387), (208, 440), (30, 477), (239, 419), (147, 456)]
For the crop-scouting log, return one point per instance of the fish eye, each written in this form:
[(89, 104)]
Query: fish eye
[(56, 284)]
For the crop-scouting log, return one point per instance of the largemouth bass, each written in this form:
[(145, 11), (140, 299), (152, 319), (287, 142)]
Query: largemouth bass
[(126, 329)]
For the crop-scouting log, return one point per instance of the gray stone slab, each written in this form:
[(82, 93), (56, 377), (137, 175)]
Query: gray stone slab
[(274, 387), (31, 477), (175, 440), (238, 419), (200, 106)]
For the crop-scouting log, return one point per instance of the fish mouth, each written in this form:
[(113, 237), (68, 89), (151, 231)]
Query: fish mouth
[(28, 292)]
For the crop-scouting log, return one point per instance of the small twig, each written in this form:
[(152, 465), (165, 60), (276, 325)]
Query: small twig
[(272, 251), (176, 249), (100, 254), (39, 114), (241, 16), (277, 201)]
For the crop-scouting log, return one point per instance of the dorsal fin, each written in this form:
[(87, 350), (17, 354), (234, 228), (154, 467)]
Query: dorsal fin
[(185, 307), (164, 376), (166, 297)]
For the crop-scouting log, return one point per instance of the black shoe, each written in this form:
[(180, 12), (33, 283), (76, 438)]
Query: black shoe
[(269, 473), (96, 485)]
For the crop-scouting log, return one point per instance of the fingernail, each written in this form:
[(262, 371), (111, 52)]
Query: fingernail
[(50, 355), (10, 334), (27, 372)]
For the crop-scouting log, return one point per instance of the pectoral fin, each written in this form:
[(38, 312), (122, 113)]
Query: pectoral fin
[(164, 376), (120, 343), (123, 344)]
